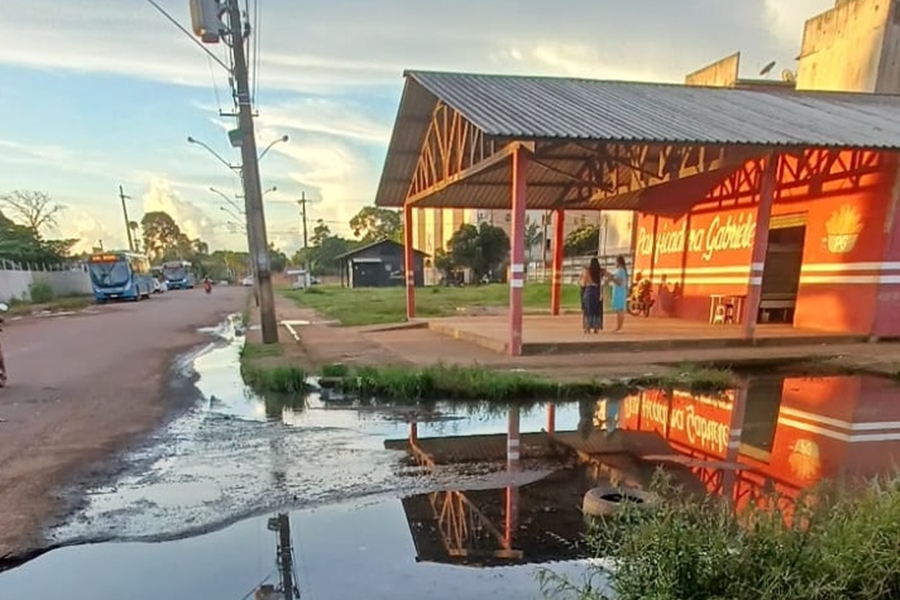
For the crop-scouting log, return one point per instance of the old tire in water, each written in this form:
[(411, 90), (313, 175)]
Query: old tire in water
[(605, 501)]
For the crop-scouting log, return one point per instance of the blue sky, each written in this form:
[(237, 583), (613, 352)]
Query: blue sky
[(99, 94)]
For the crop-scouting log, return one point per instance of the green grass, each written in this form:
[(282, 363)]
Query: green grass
[(253, 351), (375, 306), (62, 303), (262, 378), (832, 545), (281, 379), (442, 382)]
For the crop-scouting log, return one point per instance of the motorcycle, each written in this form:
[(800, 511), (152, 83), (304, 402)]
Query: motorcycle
[(640, 297), (3, 308)]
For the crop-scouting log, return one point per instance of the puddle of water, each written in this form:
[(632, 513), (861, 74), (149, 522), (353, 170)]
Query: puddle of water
[(236, 455), (339, 552), (232, 463)]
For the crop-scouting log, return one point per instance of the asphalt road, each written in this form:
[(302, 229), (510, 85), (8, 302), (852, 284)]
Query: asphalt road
[(82, 387)]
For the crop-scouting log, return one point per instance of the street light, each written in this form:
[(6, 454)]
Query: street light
[(283, 138), (218, 156)]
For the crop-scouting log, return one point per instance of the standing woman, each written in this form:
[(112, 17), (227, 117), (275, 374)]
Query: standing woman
[(620, 292), (591, 305)]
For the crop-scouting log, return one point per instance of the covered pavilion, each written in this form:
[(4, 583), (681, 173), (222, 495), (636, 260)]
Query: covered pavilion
[(472, 141)]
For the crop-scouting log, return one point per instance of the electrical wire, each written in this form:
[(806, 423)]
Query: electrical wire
[(154, 4), (215, 85), (257, 18)]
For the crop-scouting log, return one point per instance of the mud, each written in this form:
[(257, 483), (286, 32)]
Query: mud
[(82, 387)]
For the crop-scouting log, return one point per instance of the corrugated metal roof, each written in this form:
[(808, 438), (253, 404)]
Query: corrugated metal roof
[(552, 107), (555, 109)]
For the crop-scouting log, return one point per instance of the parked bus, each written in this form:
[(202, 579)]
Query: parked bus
[(178, 275), (120, 275)]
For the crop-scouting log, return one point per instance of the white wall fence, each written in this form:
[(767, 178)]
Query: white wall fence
[(573, 266), (65, 279)]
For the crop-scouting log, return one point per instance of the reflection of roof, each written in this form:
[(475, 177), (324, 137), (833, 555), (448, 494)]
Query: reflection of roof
[(367, 247), (549, 528)]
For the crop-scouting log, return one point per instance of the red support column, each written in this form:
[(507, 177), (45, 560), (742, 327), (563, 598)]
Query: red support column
[(517, 247), (409, 262), (559, 222), (768, 183), (551, 418)]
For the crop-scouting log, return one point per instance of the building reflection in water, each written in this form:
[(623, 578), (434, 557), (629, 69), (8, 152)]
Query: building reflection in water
[(777, 434)]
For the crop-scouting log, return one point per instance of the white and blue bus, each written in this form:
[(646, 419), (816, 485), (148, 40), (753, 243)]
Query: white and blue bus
[(120, 275), (177, 275)]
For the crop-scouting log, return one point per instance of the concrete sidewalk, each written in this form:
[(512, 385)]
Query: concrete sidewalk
[(323, 342)]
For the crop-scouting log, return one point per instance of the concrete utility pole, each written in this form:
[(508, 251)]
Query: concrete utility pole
[(256, 220), (303, 202), (123, 198)]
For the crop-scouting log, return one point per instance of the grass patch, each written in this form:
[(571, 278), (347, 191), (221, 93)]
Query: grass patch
[(375, 306), (281, 379), (270, 378), (253, 351), (335, 370), (827, 545), (441, 382), (62, 303)]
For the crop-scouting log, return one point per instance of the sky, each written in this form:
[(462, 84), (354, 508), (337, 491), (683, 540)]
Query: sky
[(98, 94)]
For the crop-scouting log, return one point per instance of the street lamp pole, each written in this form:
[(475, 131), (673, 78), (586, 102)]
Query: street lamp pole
[(123, 197)]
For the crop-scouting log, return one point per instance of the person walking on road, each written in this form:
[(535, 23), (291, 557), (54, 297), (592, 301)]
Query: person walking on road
[(620, 292)]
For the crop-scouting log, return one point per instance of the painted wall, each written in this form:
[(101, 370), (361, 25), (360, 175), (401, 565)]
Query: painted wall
[(16, 284), (722, 73), (847, 251), (855, 46)]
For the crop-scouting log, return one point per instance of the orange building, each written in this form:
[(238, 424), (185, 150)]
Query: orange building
[(832, 261), (789, 435)]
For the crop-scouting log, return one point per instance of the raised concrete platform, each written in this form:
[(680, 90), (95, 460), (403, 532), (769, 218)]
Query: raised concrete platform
[(563, 335)]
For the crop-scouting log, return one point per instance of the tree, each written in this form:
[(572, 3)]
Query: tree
[(22, 244), (581, 241), (482, 249), (36, 210), (373, 224), (533, 237), (320, 232), (277, 259), (161, 234)]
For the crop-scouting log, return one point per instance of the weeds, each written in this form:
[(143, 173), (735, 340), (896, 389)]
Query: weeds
[(335, 370), (285, 379), (41, 293), (252, 351), (442, 382), (826, 545)]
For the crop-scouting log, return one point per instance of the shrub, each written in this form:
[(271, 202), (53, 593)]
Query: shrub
[(41, 293), (827, 545)]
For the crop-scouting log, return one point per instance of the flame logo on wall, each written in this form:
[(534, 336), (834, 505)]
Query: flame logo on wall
[(804, 460), (842, 230)]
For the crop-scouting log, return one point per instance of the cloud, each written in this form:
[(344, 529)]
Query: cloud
[(329, 77), (788, 18), (194, 221)]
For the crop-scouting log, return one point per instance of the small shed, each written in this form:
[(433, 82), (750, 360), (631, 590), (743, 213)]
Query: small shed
[(379, 265)]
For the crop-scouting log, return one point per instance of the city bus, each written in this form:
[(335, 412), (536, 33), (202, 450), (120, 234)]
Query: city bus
[(120, 275), (177, 275)]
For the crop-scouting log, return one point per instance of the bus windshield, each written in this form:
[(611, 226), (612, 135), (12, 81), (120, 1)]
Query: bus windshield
[(175, 273), (110, 273)]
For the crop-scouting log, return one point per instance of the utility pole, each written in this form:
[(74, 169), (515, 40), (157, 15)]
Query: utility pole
[(123, 197), (303, 202), (256, 219)]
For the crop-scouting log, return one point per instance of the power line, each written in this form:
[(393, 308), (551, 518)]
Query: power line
[(188, 33)]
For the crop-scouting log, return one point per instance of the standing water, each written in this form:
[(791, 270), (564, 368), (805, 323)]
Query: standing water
[(242, 495)]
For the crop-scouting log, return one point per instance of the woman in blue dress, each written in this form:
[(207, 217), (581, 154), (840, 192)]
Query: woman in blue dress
[(620, 292)]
